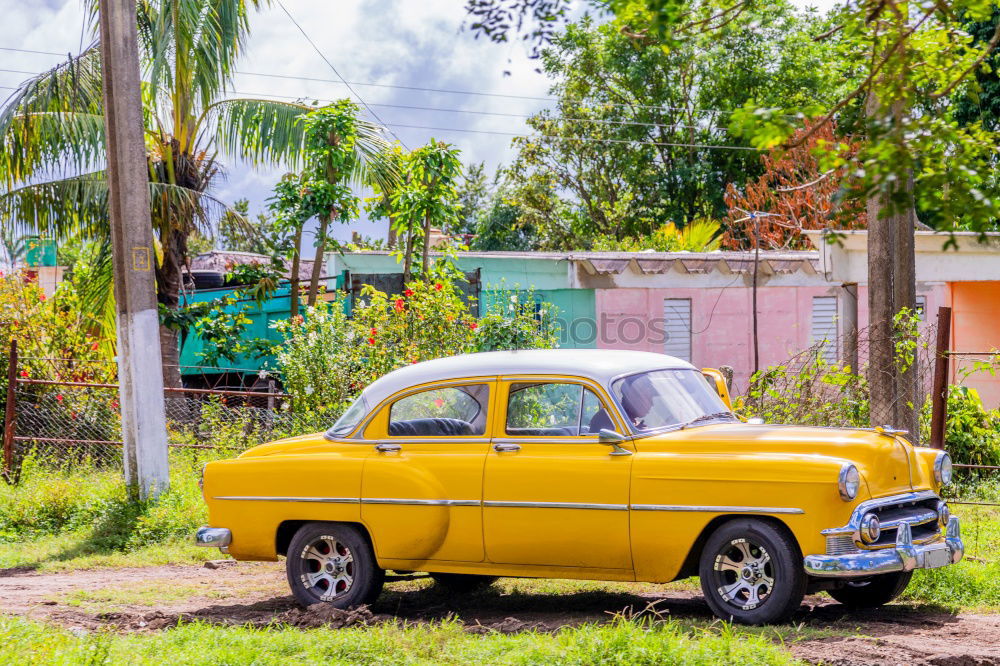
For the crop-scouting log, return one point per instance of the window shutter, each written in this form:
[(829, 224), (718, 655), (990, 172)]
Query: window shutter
[(824, 326), (677, 315)]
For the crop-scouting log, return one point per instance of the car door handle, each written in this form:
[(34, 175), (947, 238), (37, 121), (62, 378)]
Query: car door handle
[(388, 447), (506, 447)]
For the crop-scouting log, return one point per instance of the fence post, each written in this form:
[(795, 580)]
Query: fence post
[(10, 417), (939, 389)]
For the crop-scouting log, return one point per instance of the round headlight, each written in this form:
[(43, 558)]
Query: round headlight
[(944, 513), (850, 481), (942, 469), (871, 528)]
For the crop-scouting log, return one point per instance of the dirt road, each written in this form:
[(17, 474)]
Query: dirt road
[(154, 598)]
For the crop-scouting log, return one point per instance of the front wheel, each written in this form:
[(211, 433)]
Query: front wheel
[(332, 563), (876, 591), (751, 572)]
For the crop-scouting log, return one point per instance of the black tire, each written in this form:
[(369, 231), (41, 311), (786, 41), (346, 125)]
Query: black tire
[(873, 592), (751, 572), (463, 582), (351, 577)]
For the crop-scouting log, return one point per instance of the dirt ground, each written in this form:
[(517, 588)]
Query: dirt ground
[(149, 599)]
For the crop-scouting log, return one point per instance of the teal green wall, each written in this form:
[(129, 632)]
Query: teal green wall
[(547, 275)]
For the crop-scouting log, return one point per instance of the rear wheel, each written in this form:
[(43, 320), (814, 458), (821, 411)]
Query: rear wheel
[(463, 582), (751, 572), (332, 563), (874, 592)]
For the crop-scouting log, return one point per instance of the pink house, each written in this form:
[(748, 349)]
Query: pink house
[(700, 306)]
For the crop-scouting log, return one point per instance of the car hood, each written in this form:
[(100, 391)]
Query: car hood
[(885, 461)]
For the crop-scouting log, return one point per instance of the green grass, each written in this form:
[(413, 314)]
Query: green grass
[(974, 583), (80, 515), (622, 642)]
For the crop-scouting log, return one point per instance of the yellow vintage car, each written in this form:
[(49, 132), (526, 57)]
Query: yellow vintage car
[(588, 464)]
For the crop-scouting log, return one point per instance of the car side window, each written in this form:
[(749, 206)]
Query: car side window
[(450, 411), (554, 409)]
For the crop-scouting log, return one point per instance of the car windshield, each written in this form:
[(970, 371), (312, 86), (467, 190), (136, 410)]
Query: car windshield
[(349, 419), (669, 398)]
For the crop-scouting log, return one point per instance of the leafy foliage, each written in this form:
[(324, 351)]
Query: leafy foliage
[(973, 432), (326, 358), (637, 134), (699, 236)]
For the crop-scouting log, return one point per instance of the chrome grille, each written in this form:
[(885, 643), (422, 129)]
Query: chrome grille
[(840, 545)]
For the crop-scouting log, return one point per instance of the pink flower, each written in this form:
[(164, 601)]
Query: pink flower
[(42, 298), (439, 402)]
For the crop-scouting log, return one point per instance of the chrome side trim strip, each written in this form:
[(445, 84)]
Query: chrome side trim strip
[(272, 498), (418, 502), (554, 505), (716, 509)]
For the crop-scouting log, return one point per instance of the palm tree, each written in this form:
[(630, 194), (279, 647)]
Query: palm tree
[(52, 148)]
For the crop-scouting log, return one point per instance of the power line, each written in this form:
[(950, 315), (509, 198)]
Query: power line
[(349, 84), (596, 121), (706, 146), (8, 48), (342, 79)]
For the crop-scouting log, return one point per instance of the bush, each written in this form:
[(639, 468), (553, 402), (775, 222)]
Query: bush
[(327, 358), (973, 433)]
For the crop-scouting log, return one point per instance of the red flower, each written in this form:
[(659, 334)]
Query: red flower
[(438, 286), (473, 325), (371, 341), (42, 298), (59, 398), (399, 305), (297, 319), (439, 402), (93, 347), (408, 293), (24, 373), (114, 404), (374, 331)]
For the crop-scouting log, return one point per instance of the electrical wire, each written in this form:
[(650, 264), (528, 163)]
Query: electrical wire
[(342, 79), (349, 84)]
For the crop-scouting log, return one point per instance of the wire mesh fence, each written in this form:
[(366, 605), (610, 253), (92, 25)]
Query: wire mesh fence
[(65, 421), (827, 384)]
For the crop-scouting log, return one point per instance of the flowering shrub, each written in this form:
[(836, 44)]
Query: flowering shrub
[(52, 328), (327, 358)]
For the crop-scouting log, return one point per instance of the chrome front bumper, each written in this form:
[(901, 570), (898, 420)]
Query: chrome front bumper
[(213, 537), (905, 556)]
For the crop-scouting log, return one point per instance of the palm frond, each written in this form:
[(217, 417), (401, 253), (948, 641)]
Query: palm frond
[(51, 142), (78, 207), (73, 85), (62, 208), (259, 131)]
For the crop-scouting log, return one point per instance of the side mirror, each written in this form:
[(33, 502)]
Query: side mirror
[(718, 381), (614, 440)]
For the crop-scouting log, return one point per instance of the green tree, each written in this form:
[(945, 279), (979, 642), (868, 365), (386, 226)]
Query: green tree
[(426, 193), (241, 232), (474, 195), (638, 135), (53, 150)]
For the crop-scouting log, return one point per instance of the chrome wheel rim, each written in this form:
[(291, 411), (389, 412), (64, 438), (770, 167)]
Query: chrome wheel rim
[(327, 568), (744, 574)]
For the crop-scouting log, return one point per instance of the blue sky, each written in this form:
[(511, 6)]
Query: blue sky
[(417, 43)]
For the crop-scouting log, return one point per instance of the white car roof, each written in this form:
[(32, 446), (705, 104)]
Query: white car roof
[(599, 365)]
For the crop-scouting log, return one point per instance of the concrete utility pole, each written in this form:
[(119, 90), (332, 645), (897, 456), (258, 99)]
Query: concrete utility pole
[(140, 375)]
